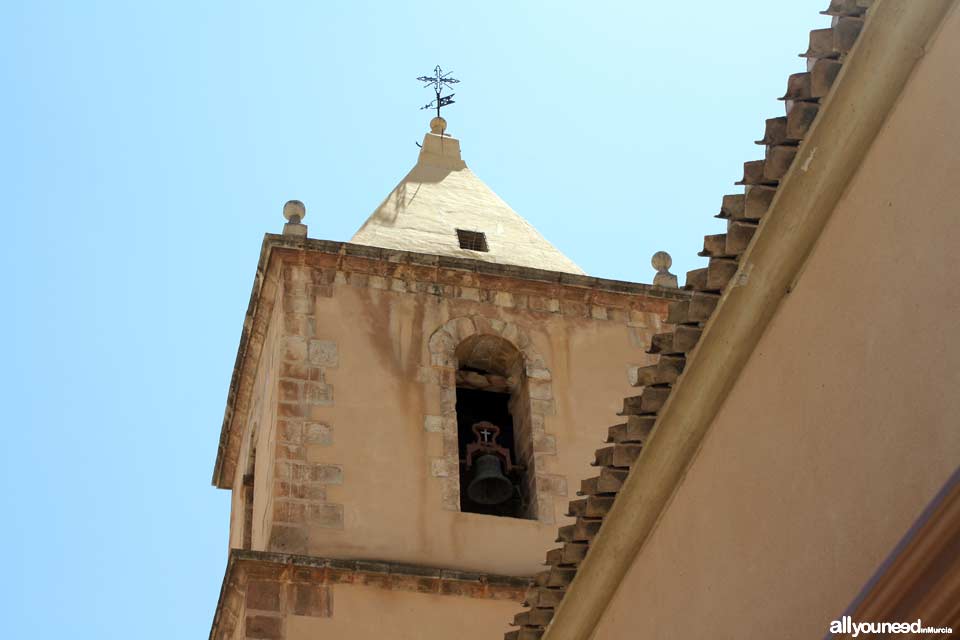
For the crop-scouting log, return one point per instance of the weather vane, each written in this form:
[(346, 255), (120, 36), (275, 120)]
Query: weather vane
[(440, 81)]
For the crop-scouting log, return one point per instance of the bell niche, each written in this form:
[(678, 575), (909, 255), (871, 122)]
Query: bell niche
[(493, 429)]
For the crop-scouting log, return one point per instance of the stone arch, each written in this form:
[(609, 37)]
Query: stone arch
[(489, 352), (504, 348)]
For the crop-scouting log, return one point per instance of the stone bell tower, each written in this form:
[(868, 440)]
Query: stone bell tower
[(409, 413)]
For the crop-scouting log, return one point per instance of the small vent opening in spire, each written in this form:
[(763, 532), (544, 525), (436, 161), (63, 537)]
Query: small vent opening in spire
[(472, 240)]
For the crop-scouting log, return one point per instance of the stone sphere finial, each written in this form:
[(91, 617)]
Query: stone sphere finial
[(294, 211), (662, 261), (438, 126)]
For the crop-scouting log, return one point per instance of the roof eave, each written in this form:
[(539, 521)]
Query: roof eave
[(865, 92)]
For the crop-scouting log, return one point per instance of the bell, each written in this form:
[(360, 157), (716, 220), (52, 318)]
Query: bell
[(489, 485)]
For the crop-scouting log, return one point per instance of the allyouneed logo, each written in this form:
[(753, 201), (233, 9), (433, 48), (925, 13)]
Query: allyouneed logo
[(846, 625)]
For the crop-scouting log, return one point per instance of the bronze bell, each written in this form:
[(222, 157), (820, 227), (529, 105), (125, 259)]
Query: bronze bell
[(489, 485)]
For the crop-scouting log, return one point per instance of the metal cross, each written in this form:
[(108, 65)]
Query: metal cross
[(440, 81)]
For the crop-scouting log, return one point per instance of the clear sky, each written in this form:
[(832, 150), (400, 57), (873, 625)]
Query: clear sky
[(146, 147)]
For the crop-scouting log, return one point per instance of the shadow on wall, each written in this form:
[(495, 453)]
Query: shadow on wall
[(403, 195)]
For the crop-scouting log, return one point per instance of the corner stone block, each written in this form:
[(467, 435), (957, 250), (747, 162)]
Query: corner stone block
[(262, 595), (287, 511), (322, 291), (451, 445), (327, 473), (639, 319), (289, 390), (538, 374), (598, 313), (450, 494), (545, 509), (296, 273), (433, 424), (323, 353), (295, 349), (288, 539), (327, 516), (289, 431), (319, 393), (470, 293), (540, 390), (542, 407), (264, 627), (439, 468), (294, 370), (297, 304), (551, 484), (428, 375), (310, 600), (448, 400), (317, 433), (544, 443)]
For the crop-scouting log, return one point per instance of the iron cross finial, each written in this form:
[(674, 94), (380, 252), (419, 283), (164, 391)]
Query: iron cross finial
[(440, 81)]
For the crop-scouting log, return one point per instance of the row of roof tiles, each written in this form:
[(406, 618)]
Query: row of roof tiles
[(743, 212)]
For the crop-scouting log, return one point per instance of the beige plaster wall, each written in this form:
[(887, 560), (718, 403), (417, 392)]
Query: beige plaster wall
[(370, 612), (384, 391), (356, 472), (844, 423)]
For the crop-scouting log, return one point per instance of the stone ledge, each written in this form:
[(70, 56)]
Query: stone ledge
[(354, 571), (274, 241), (299, 571), (244, 565)]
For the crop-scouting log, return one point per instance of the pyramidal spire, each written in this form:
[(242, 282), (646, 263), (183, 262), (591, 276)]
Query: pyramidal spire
[(442, 208)]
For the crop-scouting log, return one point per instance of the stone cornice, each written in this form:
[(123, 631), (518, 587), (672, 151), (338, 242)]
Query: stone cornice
[(272, 242), (316, 571)]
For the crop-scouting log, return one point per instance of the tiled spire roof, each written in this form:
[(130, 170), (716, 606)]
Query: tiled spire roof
[(440, 196)]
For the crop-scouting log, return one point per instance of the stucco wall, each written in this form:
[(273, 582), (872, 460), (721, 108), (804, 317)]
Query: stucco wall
[(370, 612), (843, 425), (383, 465)]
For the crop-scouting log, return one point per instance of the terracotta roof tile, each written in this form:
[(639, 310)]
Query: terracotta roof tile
[(825, 53)]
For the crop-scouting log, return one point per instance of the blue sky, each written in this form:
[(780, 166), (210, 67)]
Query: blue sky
[(146, 147)]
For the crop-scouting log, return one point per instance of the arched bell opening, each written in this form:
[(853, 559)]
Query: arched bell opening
[(493, 428)]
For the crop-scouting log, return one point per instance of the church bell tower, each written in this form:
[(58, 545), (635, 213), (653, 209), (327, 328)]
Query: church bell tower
[(409, 413)]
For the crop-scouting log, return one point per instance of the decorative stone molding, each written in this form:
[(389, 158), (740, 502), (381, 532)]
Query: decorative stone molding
[(261, 589), (504, 347)]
